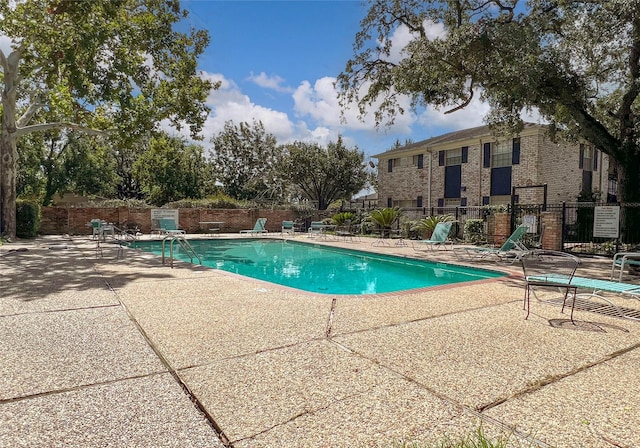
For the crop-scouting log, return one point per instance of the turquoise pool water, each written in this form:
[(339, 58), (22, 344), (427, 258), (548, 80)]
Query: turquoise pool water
[(321, 269)]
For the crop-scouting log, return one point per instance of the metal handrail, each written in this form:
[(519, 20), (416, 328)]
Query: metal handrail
[(184, 244)]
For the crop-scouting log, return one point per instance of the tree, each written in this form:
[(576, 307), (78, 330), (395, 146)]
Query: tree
[(244, 160), (170, 170), (576, 62), (115, 65), (325, 174), (54, 162)]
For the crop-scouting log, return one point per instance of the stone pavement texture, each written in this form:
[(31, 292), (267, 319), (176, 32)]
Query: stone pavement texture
[(100, 351)]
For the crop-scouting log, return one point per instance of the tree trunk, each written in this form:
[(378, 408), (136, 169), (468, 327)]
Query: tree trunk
[(8, 149), (629, 192), (8, 161)]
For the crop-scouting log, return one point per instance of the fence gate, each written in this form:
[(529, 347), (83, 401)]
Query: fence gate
[(600, 228)]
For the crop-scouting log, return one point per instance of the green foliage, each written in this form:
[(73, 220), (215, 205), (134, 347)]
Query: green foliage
[(170, 170), (220, 201), (341, 218), (324, 174), (129, 203), (385, 217), (427, 224), (113, 67), (244, 159), (27, 219), (57, 162), (585, 83), (474, 231)]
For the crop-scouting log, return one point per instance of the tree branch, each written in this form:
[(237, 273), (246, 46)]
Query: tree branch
[(29, 113), (465, 103), (59, 125)]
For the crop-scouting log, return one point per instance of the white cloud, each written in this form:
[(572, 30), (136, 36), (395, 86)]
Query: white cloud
[(401, 37), (320, 103), (228, 103), (472, 115), (270, 82)]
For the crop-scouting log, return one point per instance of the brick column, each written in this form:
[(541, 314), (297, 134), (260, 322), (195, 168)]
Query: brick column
[(502, 228), (551, 230)]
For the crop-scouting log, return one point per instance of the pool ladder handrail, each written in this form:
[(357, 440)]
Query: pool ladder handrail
[(184, 244)]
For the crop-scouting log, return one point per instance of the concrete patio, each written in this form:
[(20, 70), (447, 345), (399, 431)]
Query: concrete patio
[(106, 351)]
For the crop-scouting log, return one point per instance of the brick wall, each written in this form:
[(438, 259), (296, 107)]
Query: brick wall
[(74, 220)]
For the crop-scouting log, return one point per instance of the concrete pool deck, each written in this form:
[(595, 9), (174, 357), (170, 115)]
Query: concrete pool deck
[(107, 351)]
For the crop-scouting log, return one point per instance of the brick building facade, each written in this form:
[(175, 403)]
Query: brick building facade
[(472, 167)]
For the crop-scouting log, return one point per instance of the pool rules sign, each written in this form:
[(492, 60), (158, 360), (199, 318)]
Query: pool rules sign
[(606, 221)]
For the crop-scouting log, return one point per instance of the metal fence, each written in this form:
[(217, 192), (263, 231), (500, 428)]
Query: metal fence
[(579, 223)]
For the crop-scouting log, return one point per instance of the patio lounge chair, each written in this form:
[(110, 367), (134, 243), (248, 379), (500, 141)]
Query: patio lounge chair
[(622, 260), (258, 227), (170, 227), (595, 288), (316, 228), (549, 269), (287, 228), (439, 237), (510, 251)]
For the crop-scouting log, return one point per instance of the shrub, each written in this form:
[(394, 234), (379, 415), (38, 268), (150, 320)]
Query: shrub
[(474, 231), (27, 219), (112, 203), (426, 225), (339, 219)]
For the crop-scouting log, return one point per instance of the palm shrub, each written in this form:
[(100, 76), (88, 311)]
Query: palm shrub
[(385, 218), (426, 225), (341, 218)]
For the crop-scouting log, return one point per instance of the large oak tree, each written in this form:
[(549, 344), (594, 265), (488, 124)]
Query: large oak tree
[(120, 66), (324, 174), (576, 62)]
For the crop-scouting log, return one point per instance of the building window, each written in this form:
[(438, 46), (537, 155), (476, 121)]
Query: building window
[(586, 158), (501, 154), (418, 160), (500, 200), (453, 157), (405, 203)]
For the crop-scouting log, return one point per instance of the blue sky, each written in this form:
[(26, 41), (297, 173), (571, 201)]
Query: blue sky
[(277, 61)]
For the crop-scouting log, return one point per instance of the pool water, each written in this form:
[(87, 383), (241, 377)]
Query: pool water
[(321, 269)]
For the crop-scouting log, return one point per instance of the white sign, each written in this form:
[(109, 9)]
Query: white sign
[(531, 222), (164, 213), (606, 221)]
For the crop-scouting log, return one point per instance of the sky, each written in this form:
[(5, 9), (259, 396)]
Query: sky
[(278, 60)]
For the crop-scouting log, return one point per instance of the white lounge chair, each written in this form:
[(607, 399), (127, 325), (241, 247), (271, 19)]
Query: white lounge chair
[(622, 260)]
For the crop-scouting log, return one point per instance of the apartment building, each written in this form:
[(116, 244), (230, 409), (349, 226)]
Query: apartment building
[(472, 167)]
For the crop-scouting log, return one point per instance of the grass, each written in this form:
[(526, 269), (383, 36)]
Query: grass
[(476, 439)]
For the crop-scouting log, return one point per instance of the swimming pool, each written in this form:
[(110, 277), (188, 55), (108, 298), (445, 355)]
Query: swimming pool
[(321, 269)]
